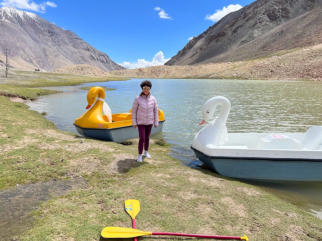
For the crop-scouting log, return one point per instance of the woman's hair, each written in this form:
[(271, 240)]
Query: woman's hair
[(146, 83)]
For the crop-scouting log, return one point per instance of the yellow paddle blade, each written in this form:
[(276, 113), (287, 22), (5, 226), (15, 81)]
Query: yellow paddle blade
[(244, 238), (132, 207), (117, 232)]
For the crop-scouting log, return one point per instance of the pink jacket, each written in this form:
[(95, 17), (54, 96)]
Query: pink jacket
[(145, 111)]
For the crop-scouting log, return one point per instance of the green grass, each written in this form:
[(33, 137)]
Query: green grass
[(23, 92), (26, 84), (174, 198), (105, 88)]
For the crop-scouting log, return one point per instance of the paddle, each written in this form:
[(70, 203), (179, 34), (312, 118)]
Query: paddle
[(132, 207), (117, 232)]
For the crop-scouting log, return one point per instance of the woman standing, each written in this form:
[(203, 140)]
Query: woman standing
[(144, 115)]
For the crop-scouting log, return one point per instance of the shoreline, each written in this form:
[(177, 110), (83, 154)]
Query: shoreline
[(173, 197)]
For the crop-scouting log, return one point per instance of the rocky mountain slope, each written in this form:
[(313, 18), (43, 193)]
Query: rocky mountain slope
[(33, 42), (295, 64), (257, 30)]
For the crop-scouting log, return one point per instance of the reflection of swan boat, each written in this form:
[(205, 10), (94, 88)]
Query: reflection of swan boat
[(96, 121), (257, 156)]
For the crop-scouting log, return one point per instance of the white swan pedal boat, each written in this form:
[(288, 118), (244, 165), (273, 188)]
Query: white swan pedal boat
[(257, 156)]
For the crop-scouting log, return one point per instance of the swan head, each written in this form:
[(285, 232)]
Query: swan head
[(207, 112), (209, 108), (93, 94)]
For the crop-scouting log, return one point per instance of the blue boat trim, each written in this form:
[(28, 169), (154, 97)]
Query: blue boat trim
[(264, 169), (105, 128), (119, 134), (257, 158)]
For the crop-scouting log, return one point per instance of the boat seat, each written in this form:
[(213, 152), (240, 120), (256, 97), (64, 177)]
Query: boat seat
[(278, 141), (313, 138), (211, 146)]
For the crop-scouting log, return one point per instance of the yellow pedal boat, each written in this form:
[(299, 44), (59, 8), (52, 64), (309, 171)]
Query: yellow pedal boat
[(96, 123)]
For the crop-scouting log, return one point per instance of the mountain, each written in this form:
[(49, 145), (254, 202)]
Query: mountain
[(296, 64), (32, 42), (257, 30)]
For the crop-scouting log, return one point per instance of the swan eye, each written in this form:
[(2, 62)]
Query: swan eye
[(207, 112)]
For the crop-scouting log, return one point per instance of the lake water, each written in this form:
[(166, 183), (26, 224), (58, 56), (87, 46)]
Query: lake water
[(257, 106)]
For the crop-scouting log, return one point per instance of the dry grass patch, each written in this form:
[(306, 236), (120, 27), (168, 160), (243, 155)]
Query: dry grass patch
[(208, 182), (49, 146), (188, 195), (152, 161), (249, 191), (206, 230), (233, 207), (62, 237), (293, 233), (77, 147), (86, 165), (3, 135), (275, 221), (229, 228), (50, 133), (162, 175), (204, 210), (288, 214), (27, 140), (17, 100), (75, 144)]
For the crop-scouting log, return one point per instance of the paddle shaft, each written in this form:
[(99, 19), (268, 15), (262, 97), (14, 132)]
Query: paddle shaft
[(134, 226), (199, 236)]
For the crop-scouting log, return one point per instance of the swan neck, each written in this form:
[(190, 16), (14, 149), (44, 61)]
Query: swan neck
[(223, 114), (92, 106)]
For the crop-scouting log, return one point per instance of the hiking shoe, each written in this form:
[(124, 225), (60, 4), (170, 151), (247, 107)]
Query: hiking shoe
[(147, 155), (139, 158)]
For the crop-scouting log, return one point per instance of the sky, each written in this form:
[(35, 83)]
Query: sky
[(133, 33)]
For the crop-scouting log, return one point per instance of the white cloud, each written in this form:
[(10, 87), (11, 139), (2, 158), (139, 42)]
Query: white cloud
[(162, 13), (158, 59), (220, 13), (28, 5), (51, 4)]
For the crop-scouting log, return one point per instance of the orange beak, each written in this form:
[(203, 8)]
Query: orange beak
[(202, 122), (87, 107)]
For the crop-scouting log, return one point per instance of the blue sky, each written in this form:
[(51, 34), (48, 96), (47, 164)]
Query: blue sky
[(133, 33)]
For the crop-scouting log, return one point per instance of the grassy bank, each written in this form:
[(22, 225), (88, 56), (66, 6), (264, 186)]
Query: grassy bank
[(173, 197), (26, 84)]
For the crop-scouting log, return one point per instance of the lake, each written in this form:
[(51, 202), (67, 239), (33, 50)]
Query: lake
[(257, 106)]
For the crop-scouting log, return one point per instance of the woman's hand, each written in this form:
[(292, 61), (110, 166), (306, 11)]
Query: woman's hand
[(134, 126), (155, 126)]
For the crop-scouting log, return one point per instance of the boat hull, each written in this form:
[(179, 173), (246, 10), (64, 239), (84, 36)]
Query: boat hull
[(264, 169), (119, 135)]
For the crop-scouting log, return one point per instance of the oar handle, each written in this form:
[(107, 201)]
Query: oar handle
[(200, 236), (134, 226)]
